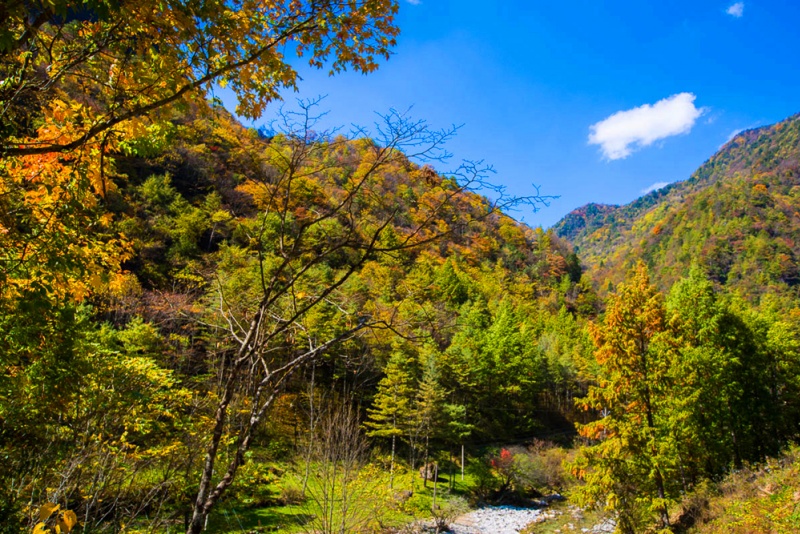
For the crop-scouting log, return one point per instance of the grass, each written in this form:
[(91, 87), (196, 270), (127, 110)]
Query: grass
[(290, 518), (393, 508), (267, 496), (763, 498)]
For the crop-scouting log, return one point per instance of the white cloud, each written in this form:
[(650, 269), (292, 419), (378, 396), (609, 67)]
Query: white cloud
[(627, 131), (655, 187), (736, 10), (414, 2)]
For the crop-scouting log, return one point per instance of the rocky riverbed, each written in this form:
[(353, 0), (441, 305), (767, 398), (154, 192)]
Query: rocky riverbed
[(498, 520), (511, 520)]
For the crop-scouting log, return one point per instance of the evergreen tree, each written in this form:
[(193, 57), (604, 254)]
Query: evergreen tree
[(429, 404), (729, 377), (391, 410)]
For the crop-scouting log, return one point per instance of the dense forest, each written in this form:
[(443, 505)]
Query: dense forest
[(209, 327)]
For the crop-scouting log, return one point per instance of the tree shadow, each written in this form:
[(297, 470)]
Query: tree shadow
[(270, 519)]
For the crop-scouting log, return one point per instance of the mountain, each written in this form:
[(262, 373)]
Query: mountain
[(737, 216)]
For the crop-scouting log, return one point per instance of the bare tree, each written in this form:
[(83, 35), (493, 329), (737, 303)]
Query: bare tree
[(336, 482)]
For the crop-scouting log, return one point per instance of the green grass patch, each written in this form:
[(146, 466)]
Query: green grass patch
[(229, 519), (564, 518), (407, 501)]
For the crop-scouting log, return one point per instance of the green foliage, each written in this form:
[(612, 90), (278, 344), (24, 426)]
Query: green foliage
[(257, 485), (758, 498), (736, 217), (107, 406), (391, 411), (686, 390)]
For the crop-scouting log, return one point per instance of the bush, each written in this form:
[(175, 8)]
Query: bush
[(486, 482), (256, 484), (291, 494), (417, 505), (449, 512), (279, 448), (540, 468), (526, 472)]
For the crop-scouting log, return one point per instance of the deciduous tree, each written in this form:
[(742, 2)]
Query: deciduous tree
[(628, 468)]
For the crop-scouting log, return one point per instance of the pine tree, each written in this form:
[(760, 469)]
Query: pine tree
[(391, 410), (429, 404)]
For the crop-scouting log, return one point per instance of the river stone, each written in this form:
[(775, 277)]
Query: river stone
[(496, 520)]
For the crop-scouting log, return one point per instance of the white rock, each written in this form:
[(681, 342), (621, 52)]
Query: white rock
[(495, 520)]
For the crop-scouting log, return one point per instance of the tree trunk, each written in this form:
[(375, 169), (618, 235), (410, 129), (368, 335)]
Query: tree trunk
[(451, 482), (425, 466), (435, 480), (462, 462), (391, 465), (201, 507), (310, 430)]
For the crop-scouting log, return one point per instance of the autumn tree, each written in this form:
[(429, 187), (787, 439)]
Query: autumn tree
[(630, 465), (82, 70)]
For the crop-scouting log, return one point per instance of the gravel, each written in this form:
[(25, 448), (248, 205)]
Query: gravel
[(511, 520), (497, 520)]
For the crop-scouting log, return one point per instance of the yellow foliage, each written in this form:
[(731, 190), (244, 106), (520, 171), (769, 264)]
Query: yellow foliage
[(62, 522), (47, 510)]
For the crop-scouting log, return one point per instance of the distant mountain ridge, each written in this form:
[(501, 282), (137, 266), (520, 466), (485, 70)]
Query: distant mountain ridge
[(738, 216)]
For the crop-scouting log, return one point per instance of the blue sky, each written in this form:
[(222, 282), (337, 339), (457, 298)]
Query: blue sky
[(533, 82)]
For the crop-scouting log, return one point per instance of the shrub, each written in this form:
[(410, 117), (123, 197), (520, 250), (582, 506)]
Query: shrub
[(291, 494), (255, 484), (486, 482), (505, 465), (449, 512)]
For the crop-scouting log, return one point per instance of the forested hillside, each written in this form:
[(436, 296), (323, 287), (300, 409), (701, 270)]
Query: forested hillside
[(210, 327), (267, 270), (737, 217)]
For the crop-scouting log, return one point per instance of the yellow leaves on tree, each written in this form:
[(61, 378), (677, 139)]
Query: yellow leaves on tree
[(56, 239), (82, 84), (118, 60)]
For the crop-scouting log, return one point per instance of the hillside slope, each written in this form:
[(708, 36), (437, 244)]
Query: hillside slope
[(738, 216)]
